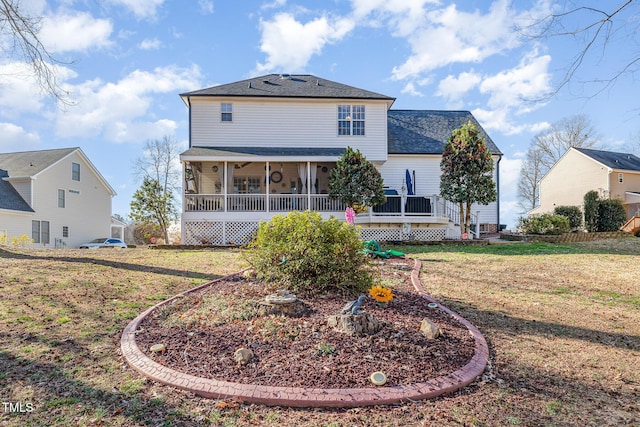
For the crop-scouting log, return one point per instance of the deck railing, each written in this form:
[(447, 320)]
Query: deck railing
[(433, 205)]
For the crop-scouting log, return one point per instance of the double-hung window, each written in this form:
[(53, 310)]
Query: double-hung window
[(75, 171), (40, 231), (351, 120), (226, 112), (61, 201)]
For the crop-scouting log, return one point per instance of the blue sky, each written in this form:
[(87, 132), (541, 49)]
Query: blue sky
[(124, 62)]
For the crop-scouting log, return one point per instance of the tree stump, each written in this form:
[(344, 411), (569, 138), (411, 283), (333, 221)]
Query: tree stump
[(282, 303), (355, 325)]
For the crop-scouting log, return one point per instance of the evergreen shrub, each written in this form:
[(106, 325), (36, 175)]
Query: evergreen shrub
[(308, 255), (572, 213), (549, 224)]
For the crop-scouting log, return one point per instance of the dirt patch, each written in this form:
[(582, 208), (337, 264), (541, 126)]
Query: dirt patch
[(202, 331)]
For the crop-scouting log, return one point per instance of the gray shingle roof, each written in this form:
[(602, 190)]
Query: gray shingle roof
[(292, 86), (427, 131), (29, 163), (624, 161), (264, 151), (23, 165), (9, 197)]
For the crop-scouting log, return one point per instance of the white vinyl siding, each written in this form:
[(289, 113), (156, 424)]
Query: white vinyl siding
[(287, 123), (427, 179), (569, 180)]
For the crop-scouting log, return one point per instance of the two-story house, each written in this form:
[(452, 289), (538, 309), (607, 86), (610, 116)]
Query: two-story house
[(266, 145), (580, 170), (56, 197)]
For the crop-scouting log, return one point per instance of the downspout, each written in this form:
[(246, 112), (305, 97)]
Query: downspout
[(189, 102), (498, 187)]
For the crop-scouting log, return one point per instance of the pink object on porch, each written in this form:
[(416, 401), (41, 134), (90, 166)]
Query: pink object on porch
[(350, 215)]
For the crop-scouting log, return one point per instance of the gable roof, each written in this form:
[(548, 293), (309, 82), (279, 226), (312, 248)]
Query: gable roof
[(623, 161), (288, 86), (9, 198), (30, 163), (427, 131)]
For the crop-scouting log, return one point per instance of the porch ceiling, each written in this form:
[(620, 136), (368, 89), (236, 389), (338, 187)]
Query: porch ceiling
[(262, 154)]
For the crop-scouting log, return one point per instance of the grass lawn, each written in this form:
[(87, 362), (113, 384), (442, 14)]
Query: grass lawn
[(561, 322)]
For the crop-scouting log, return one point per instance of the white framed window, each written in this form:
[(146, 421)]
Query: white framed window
[(61, 199), (226, 112), (247, 185), (351, 120), (40, 231), (65, 231), (75, 171), (620, 178)]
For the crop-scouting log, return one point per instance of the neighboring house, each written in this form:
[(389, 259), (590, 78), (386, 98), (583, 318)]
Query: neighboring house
[(580, 170), (255, 145), (56, 197)]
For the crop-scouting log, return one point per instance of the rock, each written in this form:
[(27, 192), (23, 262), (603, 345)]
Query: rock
[(355, 325), (429, 329), (296, 308), (242, 356), (158, 348)]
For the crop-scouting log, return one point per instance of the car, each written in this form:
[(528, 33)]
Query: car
[(104, 243)]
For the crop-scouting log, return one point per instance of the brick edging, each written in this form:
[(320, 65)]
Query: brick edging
[(306, 397)]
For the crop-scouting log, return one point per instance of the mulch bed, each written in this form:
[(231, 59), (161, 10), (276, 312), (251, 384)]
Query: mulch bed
[(201, 332)]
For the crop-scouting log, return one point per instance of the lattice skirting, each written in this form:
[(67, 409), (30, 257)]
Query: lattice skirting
[(395, 234), (241, 232), (219, 232)]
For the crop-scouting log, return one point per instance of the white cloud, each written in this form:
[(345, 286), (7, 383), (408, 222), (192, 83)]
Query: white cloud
[(448, 35), (206, 6), (19, 91), (121, 111), (290, 44), (454, 88), (274, 4), (145, 9), (150, 44), (519, 86), (79, 31), (403, 16), (410, 89), (15, 136)]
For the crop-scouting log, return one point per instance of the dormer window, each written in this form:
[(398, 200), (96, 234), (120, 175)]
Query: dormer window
[(351, 120), (226, 112)]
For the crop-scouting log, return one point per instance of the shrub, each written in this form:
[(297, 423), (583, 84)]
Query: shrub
[(572, 213), (309, 255), (544, 224), (611, 215), (591, 199)]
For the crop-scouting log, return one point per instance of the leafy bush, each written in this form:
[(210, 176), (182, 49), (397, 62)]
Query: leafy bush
[(544, 224), (573, 214), (611, 215), (309, 255), (591, 199)]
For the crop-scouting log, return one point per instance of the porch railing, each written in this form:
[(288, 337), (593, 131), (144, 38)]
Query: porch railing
[(433, 205)]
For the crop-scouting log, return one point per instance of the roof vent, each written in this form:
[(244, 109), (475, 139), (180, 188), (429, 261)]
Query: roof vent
[(285, 76)]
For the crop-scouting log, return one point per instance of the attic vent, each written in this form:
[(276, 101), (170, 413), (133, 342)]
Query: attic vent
[(285, 76)]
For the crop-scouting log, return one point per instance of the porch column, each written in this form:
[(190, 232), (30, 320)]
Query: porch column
[(224, 186), (267, 172), (309, 185)]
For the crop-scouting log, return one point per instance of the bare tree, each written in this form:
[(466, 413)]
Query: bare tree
[(530, 175), (22, 32), (594, 28), (160, 162), (546, 149)]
